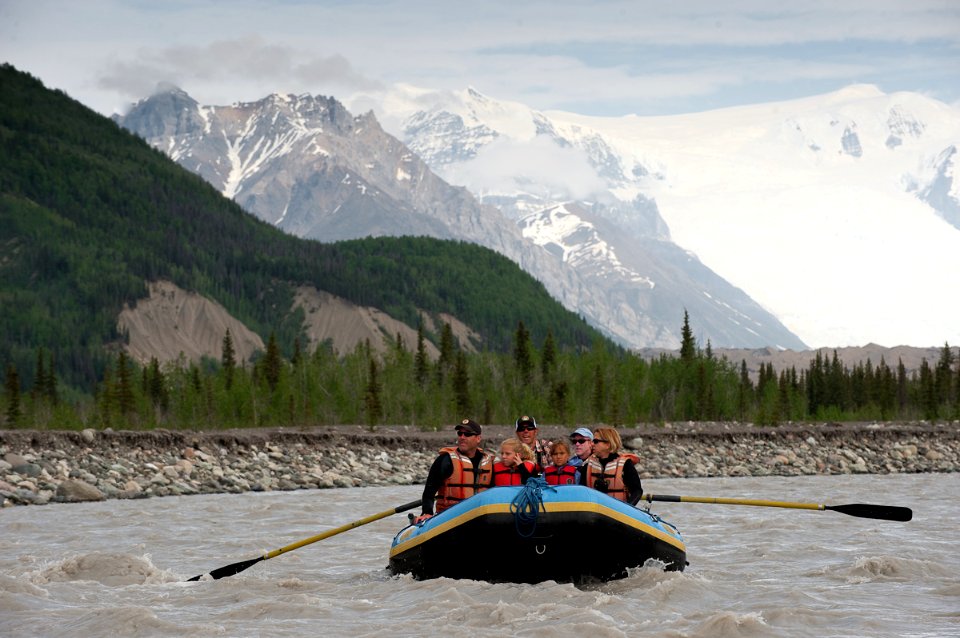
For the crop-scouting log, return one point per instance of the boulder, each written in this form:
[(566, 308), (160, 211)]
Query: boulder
[(75, 491)]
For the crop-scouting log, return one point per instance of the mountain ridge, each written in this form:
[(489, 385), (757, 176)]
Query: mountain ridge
[(390, 190), (836, 175)]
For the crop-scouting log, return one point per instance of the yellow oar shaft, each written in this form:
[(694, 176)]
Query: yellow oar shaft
[(329, 533), (742, 501)]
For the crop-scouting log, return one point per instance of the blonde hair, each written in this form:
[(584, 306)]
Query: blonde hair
[(610, 436), (522, 449)]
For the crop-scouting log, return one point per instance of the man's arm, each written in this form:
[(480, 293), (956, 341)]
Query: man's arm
[(441, 469)]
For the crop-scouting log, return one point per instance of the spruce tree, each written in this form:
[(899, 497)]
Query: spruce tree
[(124, 388), (11, 387), (50, 388), (272, 363), (157, 386), (521, 354), (548, 359), (228, 360), (599, 399), (688, 345), (372, 402), (421, 365), (40, 380)]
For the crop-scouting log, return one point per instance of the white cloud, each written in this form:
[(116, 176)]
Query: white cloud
[(539, 166), (600, 57)]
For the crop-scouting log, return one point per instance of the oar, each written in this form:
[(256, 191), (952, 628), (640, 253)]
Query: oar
[(236, 568), (863, 510)]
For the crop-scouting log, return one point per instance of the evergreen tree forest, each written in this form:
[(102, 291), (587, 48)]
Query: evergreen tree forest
[(89, 213), (595, 385)]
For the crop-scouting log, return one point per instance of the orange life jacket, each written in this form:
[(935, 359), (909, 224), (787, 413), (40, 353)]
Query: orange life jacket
[(503, 475), (462, 484), (612, 473), (565, 475)]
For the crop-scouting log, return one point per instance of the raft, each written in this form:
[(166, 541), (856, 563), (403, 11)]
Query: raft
[(505, 534)]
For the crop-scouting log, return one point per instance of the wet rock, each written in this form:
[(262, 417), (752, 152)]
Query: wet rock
[(74, 491)]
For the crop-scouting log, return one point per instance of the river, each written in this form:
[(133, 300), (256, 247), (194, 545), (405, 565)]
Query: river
[(118, 567)]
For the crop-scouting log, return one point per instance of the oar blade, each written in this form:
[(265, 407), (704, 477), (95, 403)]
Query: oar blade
[(866, 510), (230, 570)]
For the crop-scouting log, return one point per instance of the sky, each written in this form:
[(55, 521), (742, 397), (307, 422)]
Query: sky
[(605, 57)]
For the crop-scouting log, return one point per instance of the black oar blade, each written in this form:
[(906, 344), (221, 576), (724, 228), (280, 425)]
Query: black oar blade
[(230, 570), (865, 510)]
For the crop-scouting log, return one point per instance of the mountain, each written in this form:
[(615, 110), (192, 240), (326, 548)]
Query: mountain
[(94, 224), (304, 164), (839, 213)]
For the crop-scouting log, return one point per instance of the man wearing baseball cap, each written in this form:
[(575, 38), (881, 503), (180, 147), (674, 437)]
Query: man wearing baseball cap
[(527, 432), (458, 472), (581, 442)]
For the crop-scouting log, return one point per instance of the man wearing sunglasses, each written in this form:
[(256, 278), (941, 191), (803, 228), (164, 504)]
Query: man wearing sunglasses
[(581, 442), (527, 432), (458, 472)]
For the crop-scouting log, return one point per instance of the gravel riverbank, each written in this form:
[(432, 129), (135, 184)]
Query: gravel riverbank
[(38, 467)]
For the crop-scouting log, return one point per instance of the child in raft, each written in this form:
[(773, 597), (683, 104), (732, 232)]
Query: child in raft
[(515, 465), (562, 472)]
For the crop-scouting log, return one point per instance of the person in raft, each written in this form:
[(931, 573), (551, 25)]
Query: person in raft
[(527, 433), (563, 471), (611, 471), (515, 465), (581, 442), (458, 472)]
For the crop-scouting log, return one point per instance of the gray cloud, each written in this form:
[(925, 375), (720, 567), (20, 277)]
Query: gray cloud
[(248, 61)]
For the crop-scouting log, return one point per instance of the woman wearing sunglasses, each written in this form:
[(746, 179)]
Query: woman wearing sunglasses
[(611, 471)]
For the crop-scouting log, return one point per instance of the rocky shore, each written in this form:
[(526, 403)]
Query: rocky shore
[(38, 467)]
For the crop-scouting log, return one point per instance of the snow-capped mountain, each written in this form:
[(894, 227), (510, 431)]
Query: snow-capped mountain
[(306, 165), (839, 213)]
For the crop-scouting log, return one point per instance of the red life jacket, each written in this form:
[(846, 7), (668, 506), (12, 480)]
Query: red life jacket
[(503, 475), (462, 484), (565, 475), (612, 474)]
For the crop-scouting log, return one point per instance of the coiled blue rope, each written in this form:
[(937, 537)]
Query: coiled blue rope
[(526, 505)]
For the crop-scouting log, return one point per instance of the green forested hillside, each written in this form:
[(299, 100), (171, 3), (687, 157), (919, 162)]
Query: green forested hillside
[(89, 213)]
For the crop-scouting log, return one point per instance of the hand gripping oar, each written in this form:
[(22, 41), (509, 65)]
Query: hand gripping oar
[(236, 568), (863, 510)]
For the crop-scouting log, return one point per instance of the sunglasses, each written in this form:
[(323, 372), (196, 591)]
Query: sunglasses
[(600, 441), (526, 428), (462, 433), (579, 441)]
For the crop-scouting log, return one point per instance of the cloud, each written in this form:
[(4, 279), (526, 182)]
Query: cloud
[(539, 166), (248, 61)]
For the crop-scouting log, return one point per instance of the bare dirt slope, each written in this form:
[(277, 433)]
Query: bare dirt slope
[(172, 321), (346, 325)]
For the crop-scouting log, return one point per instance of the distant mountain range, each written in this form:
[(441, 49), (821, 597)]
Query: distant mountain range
[(308, 166), (107, 244), (839, 213)]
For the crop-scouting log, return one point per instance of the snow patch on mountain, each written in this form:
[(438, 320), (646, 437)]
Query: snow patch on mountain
[(840, 213)]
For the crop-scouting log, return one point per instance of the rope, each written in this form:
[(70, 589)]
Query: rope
[(526, 505)]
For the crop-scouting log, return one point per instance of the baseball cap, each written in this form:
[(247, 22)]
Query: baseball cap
[(469, 425), (526, 420), (584, 432)]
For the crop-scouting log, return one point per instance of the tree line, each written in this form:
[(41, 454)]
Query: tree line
[(90, 214), (598, 384)]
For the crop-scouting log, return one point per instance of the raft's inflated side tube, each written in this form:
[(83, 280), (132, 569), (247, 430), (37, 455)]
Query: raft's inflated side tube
[(582, 535)]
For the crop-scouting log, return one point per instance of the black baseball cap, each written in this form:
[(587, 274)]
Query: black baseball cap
[(526, 420), (469, 425)]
